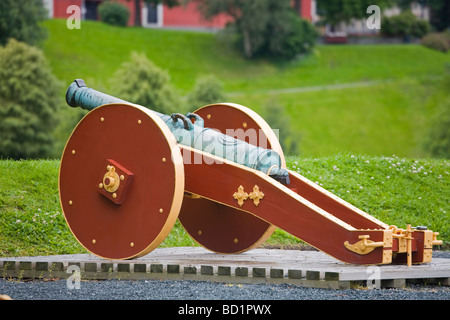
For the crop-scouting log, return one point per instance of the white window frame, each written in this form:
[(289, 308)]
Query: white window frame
[(160, 17)]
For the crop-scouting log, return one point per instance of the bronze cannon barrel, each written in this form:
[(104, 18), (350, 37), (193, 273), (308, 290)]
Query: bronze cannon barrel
[(191, 134)]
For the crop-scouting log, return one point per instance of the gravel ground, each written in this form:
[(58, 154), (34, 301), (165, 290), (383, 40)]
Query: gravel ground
[(203, 290)]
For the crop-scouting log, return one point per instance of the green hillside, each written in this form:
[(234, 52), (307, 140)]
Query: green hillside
[(374, 100), (395, 190)]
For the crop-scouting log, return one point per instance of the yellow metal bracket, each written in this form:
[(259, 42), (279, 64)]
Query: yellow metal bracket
[(256, 195), (240, 195), (364, 246)]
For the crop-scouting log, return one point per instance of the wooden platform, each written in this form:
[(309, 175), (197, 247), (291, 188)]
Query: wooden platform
[(302, 268)]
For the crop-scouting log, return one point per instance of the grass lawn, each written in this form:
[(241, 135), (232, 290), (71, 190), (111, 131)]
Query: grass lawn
[(395, 190), (381, 119), (96, 50), (389, 117)]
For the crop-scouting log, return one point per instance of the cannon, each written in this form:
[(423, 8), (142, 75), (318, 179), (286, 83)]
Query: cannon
[(128, 173)]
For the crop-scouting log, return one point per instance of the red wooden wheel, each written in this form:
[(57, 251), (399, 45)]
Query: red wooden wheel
[(121, 181), (213, 225)]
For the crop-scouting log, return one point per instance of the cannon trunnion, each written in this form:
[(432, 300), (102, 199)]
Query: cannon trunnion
[(128, 173)]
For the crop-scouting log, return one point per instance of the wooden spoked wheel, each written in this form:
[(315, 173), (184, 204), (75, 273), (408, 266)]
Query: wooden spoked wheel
[(213, 225), (121, 181)]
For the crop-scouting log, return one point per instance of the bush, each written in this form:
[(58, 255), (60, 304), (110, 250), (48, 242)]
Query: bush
[(29, 97), (206, 90), (275, 32), (437, 41), (21, 20), (140, 81), (114, 13), (405, 24), (296, 37)]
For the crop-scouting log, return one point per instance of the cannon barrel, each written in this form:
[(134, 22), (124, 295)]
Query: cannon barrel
[(189, 130)]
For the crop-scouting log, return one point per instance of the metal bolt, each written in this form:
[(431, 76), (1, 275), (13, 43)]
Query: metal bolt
[(73, 151), (70, 202)]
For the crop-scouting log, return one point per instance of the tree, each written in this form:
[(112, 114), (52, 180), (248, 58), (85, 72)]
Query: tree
[(21, 20), (439, 11), (405, 24), (336, 11), (146, 84), (263, 26), (29, 98)]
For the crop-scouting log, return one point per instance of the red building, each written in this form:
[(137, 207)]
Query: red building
[(160, 15)]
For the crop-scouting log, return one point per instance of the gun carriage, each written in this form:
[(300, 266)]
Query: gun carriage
[(128, 173)]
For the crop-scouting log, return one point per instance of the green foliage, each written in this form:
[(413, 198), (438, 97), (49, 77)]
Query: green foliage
[(439, 13), (289, 37), (336, 11), (29, 98), (437, 40), (21, 20), (207, 90), (114, 13), (438, 138), (276, 31), (140, 81), (405, 24)]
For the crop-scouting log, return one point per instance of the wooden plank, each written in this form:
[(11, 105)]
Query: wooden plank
[(302, 268)]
